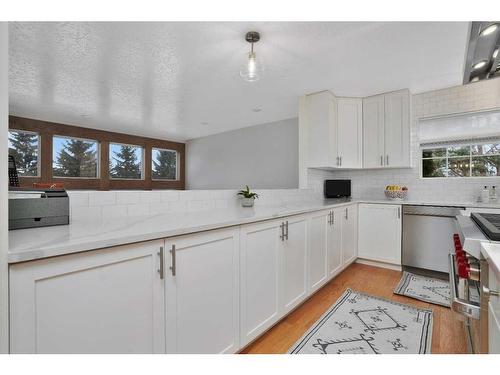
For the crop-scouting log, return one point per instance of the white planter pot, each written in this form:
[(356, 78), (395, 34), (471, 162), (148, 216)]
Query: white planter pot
[(247, 202)]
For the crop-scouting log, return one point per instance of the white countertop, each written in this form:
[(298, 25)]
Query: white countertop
[(38, 243), (491, 251)]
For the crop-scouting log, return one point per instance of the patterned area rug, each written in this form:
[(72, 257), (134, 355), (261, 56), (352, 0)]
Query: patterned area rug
[(362, 324), (424, 288)]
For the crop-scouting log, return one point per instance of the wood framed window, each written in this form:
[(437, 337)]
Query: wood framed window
[(84, 158)]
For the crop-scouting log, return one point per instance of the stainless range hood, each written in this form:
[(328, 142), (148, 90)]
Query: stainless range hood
[(483, 55)]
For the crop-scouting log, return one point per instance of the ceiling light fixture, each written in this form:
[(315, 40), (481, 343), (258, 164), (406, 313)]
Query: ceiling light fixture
[(479, 65), (251, 71), (489, 30)]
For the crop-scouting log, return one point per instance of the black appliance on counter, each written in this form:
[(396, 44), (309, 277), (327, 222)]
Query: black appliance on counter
[(337, 188)]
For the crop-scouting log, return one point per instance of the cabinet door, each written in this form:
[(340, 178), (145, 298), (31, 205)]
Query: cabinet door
[(260, 247), (318, 250), (294, 249), (349, 233), (320, 120), (203, 292), (105, 301), (397, 129), (349, 132), (373, 132), (334, 244), (379, 234)]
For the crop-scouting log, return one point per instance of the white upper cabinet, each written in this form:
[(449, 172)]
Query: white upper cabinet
[(349, 132), (320, 120), (202, 289), (386, 130), (334, 131), (373, 132), (397, 129), (379, 235)]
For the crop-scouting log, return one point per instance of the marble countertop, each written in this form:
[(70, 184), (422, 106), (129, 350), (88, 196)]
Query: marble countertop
[(38, 243), (491, 251)]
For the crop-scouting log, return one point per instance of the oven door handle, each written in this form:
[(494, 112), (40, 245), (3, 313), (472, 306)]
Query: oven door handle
[(459, 305)]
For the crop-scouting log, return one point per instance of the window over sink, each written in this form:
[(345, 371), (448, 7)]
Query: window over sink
[(475, 159)]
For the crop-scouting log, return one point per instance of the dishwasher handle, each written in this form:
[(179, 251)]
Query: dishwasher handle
[(438, 211)]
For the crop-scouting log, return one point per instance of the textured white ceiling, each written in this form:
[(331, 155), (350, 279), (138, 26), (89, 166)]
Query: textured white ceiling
[(168, 79)]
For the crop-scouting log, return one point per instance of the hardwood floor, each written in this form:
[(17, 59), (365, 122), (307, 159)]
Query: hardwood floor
[(448, 333)]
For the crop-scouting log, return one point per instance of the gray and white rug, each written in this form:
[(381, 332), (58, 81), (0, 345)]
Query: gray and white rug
[(362, 324), (427, 289)]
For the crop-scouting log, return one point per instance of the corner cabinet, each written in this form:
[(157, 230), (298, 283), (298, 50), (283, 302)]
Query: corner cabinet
[(334, 131), (383, 223), (107, 301), (386, 130)]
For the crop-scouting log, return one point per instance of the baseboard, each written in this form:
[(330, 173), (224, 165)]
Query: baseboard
[(375, 263)]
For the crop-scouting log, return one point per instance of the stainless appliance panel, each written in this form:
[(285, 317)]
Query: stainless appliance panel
[(427, 231)]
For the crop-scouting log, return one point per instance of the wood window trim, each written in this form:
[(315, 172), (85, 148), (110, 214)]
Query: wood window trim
[(47, 130)]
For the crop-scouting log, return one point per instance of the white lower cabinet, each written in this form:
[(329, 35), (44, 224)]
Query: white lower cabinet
[(294, 255), (334, 243), (202, 292), (260, 253), (349, 229), (106, 301), (273, 272), (319, 228), (379, 237)]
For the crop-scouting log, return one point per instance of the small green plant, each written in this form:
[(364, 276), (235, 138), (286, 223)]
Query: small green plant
[(247, 193)]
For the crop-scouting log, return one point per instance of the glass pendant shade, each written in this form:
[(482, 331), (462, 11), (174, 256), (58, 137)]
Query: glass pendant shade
[(251, 69)]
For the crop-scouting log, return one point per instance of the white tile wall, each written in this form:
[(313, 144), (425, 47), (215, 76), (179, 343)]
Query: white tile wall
[(371, 183), (109, 205)]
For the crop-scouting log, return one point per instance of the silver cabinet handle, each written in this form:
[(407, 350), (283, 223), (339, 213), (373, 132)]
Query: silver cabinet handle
[(490, 293), (282, 235), (340, 160), (387, 159), (330, 217), (381, 159), (161, 271), (173, 266), (287, 230), (333, 218), (399, 212), (346, 213)]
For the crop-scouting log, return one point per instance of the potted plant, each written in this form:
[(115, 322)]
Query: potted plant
[(248, 197)]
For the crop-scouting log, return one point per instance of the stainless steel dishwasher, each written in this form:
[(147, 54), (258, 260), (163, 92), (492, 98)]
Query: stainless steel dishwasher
[(427, 233)]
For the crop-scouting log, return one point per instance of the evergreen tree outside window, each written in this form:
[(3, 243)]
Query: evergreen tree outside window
[(73, 157), (164, 164), (125, 161), (24, 146)]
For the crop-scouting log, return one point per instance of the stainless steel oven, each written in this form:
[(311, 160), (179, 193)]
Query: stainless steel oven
[(468, 276)]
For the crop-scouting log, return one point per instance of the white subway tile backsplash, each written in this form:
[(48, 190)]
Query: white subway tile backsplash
[(128, 197), (141, 209), (169, 195), (102, 198), (86, 213)]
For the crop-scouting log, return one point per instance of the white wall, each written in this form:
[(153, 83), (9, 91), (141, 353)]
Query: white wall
[(4, 111), (263, 157), (478, 96)]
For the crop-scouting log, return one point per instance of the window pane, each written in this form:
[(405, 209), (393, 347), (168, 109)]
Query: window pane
[(24, 147), (459, 167), (486, 166), (125, 161), (434, 167), (486, 149), (164, 164), (459, 151), (73, 157), (434, 152)]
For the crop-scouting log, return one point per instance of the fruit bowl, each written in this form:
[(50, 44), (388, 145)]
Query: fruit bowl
[(396, 192)]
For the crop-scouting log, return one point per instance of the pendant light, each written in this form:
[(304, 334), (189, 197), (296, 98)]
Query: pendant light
[(251, 70)]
